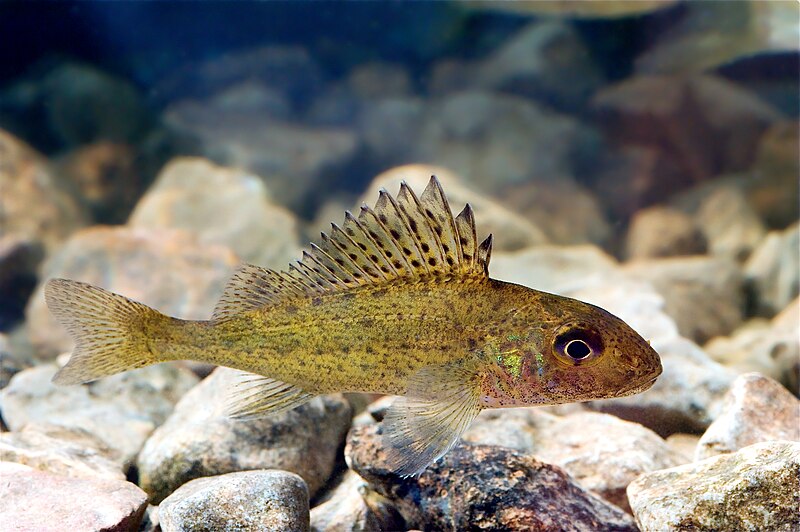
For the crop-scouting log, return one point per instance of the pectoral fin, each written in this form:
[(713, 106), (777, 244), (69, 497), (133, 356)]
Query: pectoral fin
[(254, 396), (428, 421)]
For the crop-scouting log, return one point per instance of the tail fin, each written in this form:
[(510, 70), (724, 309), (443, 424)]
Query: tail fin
[(108, 329)]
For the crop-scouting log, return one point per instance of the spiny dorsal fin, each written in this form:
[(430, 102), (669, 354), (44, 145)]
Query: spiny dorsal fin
[(403, 238)]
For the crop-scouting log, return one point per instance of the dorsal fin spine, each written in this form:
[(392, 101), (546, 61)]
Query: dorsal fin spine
[(319, 256), (404, 219), (403, 238), (366, 212), (337, 233), (340, 257), (413, 209), (435, 192), (370, 213)]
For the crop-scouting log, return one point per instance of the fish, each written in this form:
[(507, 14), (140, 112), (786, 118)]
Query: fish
[(397, 300)]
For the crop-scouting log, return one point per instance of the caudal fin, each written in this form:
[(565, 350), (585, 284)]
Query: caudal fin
[(108, 330)]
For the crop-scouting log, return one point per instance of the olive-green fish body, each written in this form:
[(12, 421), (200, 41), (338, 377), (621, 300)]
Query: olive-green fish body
[(397, 301)]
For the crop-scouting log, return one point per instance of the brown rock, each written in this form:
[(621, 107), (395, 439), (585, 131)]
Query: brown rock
[(121, 410), (663, 232), (632, 177), (772, 272), (497, 140), (566, 211), (352, 506), (603, 465), (107, 176), (771, 348), (221, 206), (755, 488), (294, 160), (483, 487), (704, 295), (249, 500), (33, 205), (35, 500), (707, 125), (773, 191), (756, 409), (684, 445), (168, 270), (729, 223), (67, 451), (196, 442)]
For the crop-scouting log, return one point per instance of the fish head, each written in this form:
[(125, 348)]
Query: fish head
[(570, 351)]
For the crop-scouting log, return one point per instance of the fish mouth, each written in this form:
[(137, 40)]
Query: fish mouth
[(640, 386)]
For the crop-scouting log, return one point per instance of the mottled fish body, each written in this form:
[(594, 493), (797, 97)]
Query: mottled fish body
[(396, 301)]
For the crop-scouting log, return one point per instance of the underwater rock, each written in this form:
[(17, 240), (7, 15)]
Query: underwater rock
[(292, 159), (546, 60), (249, 97), (772, 272), (707, 125), (683, 445), (558, 269), (629, 178), (150, 521), (755, 488), (396, 145), (756, 409), (515, 428), (248, 500), (449, 75), (33, 204), (109, 176), (67, 451), (19, 261), (729, 223), (511, 231), (121, 410), (221, 206), (605, 466), (36, 500), (290, 71), (351, 506), (663, 232), (685, 398), (567, 212), (704, 295), (774, 187), (196, 442), (709, 35), (8, 366), (379, 80), (483, 487), (497, 140), (167, 269), (67, 103), (768, 347)]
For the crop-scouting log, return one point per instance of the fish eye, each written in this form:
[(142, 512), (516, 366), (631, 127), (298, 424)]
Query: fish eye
[(577, 344), (577, 349)]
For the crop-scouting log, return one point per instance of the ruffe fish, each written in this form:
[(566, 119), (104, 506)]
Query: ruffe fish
[(398, 300)]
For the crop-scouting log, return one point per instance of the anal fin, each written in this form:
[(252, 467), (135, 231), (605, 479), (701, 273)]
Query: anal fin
[(255, 396), (428, 421)]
